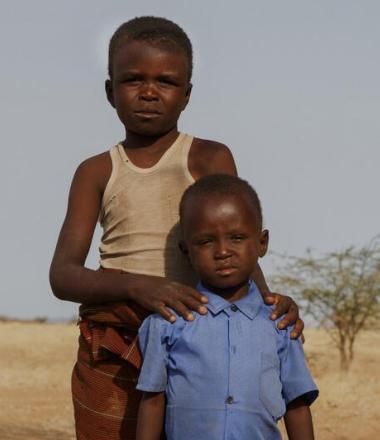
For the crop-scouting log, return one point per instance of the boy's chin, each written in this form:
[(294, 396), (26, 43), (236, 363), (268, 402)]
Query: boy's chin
[(227, 287), (148, 129)]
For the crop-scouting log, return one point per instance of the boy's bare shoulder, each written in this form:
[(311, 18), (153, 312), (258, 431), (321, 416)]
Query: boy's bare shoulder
[(96, 169), (210, 157), (208, 144)]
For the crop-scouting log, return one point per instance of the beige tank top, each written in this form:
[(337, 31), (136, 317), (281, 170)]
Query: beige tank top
[(139, 214)]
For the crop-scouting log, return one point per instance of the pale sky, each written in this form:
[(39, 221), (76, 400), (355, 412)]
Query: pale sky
[(291, 86)]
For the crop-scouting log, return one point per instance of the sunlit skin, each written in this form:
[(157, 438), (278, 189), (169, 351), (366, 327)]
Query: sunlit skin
[(149, 89), (223, 240)]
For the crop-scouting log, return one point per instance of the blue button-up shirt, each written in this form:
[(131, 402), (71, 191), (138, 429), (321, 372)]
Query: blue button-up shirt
[(227, 375)]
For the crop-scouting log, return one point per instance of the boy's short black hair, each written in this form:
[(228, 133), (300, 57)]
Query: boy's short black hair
[(153, 30), (223, 184)]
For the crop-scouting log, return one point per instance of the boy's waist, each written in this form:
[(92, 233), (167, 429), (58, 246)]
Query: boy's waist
[(112, 329)]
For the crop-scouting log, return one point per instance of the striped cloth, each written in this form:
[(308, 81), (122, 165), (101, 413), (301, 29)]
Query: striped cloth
[(106, 372)]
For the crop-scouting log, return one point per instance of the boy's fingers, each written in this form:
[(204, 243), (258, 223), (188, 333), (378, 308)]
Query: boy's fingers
[(195, 304), (194, 300), (286, 307), (197, 296), (180, 291), (270, 299), (284, 323), (185, 305), (182, 310), (166, 313), (297, 330), (290, 318), (183, 300)]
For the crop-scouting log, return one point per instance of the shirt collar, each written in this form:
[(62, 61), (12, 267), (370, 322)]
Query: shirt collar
[(249, 305)]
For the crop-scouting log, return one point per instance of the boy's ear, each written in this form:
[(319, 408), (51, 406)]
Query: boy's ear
[(264, 240), (109, 92), (183, 247), (187, 95), (189, 89)]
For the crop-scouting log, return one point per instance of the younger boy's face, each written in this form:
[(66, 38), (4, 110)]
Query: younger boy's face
[(149, 87), (223, 241)]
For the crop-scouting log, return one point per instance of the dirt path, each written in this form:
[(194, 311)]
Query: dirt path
[(36, 362)]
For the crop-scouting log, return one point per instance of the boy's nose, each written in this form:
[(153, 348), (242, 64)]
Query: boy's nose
[(148, 91), (222, 250)]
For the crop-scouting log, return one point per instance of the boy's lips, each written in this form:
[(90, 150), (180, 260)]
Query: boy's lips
[(225, 270), (147, 113)]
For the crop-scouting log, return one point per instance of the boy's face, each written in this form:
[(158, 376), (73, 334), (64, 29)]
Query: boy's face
[(223, 241), (149, 87)]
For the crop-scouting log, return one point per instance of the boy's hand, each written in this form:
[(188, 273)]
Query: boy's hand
[(284, 305), (159, 295)]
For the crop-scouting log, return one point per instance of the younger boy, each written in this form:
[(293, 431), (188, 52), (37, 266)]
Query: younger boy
[(231, 374)]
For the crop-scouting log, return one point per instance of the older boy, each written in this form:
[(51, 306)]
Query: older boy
[(134, 189)]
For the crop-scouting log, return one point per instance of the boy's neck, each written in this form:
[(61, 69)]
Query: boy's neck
[(146, 151), (159, 142), (230, 294)]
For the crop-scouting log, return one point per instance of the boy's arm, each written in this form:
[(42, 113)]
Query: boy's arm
[(284, 305), (151, 414), (298, 421), (299, 390), (72, 281)]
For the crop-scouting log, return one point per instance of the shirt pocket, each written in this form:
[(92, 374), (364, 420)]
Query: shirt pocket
[(270, 386)]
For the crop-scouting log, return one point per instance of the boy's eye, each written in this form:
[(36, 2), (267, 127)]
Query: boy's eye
[(166, 81), (237, 238), (132, 80), (204, 241)]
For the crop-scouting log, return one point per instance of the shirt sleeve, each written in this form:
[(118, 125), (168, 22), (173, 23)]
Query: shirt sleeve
[(156, 336), (295, 375)]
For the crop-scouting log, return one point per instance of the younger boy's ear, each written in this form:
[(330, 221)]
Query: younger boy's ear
[(264, 240), (109, 92), (183, 247)]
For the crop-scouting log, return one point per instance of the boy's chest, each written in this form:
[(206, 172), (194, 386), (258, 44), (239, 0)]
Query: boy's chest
[(226, 355)]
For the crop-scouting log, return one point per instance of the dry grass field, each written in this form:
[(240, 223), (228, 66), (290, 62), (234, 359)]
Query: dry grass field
[(35, 368)]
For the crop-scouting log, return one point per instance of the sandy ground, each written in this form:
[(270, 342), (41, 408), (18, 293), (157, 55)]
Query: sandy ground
[(36, 362)]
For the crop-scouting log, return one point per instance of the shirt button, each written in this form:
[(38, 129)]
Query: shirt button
[(230, 400), (234, 308)]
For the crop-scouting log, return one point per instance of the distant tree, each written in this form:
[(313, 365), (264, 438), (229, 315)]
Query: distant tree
[(340, 290)]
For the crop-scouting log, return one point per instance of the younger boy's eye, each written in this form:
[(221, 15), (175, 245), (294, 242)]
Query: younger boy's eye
[(131, 80), (203, 241)]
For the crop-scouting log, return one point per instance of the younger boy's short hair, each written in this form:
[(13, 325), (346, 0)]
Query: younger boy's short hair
[(153, 30), (223, 184)]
